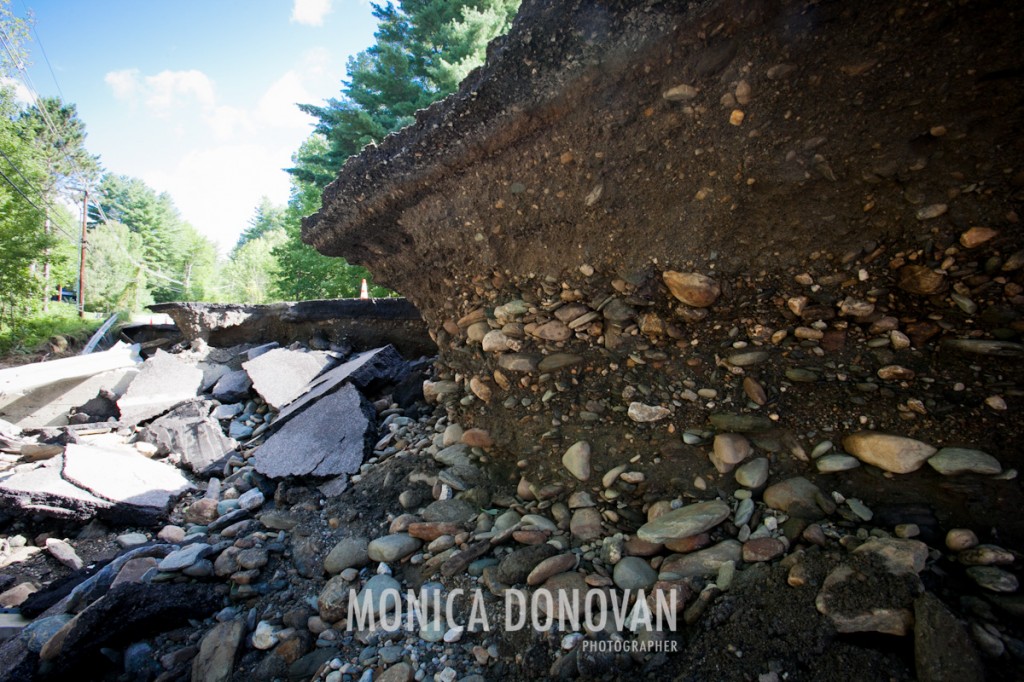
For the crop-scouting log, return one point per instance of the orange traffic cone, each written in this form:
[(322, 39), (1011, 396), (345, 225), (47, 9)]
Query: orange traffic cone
[(364, 292)]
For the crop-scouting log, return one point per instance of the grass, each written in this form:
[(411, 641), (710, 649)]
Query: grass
[(62, 319)]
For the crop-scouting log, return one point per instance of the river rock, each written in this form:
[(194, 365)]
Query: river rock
[(633, 573), (729, 450), (392, 547), (753, 474), (516, 567), (919, 279), (705, 562), (993, 579), (215, 661), (797, 497), (639, 412), (577, 460), (692, 288), (551, 566), (349, 552), (585, 524), (684, 522), (896, 454), (956, 461)]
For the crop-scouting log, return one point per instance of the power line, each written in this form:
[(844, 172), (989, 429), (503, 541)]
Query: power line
[(39, 42)]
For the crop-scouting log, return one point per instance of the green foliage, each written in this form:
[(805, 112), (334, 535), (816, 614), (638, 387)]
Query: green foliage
[(249, 275), (268, 218), (33, 332), (305, 274), (424, 49), (14, 56), (115, 277), (22, 225)]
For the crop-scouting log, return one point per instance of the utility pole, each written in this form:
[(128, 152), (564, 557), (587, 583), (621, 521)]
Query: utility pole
[(81, 262)]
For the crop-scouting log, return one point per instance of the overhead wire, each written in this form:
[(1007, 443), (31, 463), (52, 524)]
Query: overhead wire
[(39, 42), (39, 192)]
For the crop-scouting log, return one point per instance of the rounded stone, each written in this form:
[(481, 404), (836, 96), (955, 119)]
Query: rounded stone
[(577, 460), (956, 461), (753, 474), (633, 573), (692, 288), (348, 553), (959, 539), (896, 454), (684, 522), (392, 547)]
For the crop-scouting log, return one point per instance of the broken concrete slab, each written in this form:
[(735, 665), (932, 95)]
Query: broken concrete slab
[(232, 386), (165, 381), (14, 380), (281, 375), (328, 438), (50, 405), (369, 367), (194, 435), (139, 490), (40, 489)]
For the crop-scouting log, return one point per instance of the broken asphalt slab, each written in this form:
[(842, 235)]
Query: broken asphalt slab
[(328, 438), (372, 366), (164, 382), (282, 375), (194, 435), (117, 484)]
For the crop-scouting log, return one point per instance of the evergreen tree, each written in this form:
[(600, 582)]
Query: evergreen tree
[(268, 217)]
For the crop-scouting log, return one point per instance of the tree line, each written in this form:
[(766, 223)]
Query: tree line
[(139, 248)]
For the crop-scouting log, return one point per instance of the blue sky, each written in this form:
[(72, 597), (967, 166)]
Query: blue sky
[(197, 97)]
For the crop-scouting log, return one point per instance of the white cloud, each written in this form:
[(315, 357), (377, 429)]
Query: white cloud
[(165, 93), (124, 83), (310, 12), (218, 188), (217, 159), (21, 92)]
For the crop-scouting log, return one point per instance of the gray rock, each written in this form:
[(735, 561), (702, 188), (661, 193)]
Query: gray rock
[(392, 547), (830, 464), (232, 387), (38, 632), (577, 460), (263, 349), (198, 438), (753, 474), (993, 579), (224, 412), (642, 413), (705, 562), (215, 661), (184, 557), (373, 366), (585, 524), (281, 375), (895, 454), (380, 594), (955, 461), (349, 552), (684, 522), (449, 511), (331, 437), (729, 450), (797, 497), (239, 430), (516, 567), (454, 455), (164, 382), (633, 573), (942, 648)]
